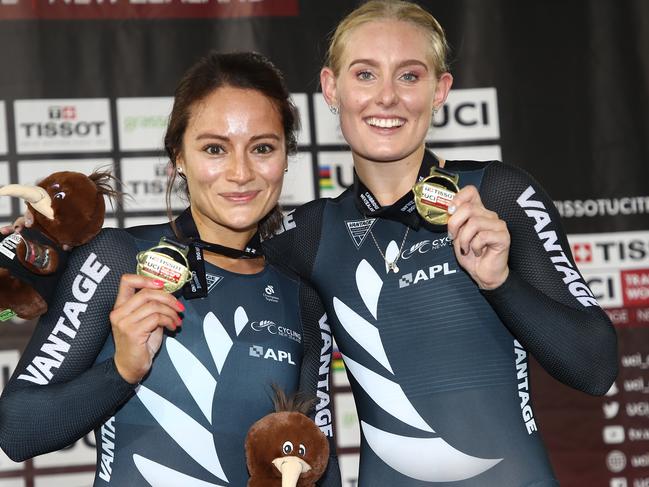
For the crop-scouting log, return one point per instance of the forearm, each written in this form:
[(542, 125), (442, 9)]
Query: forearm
[(576, 346), (39, 419)]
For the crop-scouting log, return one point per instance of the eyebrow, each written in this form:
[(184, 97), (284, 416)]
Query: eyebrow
[(208, 135), (407, 62)]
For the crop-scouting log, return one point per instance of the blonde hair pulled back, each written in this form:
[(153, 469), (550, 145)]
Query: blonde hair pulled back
[(399, 10)]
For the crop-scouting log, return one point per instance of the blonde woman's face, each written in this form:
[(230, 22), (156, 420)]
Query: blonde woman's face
[(386, 89)]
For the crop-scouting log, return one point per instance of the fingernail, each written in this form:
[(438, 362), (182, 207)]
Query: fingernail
[(451, 209), (158, 283), (450, 235), (462, 251), (180, 306)]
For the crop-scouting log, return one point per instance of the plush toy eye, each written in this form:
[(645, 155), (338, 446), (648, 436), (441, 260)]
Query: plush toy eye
[(287, 447), (59, 196), (301, 450)]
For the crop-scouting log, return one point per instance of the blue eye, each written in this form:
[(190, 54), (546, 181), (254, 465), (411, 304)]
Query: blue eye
[(364, 75), (409, 77)]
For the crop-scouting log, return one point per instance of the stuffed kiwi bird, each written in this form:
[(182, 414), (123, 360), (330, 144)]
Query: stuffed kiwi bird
[(68, 209), (286, 448)]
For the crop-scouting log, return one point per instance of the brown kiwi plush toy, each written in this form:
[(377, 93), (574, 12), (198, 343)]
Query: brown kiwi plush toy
[(68, 209), (286, 448)]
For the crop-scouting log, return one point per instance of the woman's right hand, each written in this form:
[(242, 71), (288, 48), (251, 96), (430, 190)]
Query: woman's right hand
[(137, 321)]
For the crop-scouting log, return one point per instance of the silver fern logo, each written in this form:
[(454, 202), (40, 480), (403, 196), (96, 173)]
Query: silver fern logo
[(188, 433), (429, 459)]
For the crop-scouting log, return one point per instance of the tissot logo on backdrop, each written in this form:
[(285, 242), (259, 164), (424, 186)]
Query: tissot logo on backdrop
[(146, 181), (48, 126)]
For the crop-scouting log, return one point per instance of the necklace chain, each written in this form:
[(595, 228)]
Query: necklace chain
[(392, 266)]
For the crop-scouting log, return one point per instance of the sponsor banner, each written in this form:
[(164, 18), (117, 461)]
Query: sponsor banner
[(327, 128), (599, 207), (335, 171), (468, 114), (606, 287), (476, 153), (142, 122), (14, 482), (301, 101), (5, 201), (145, 181), (31, 172), (146, 9), (82, 479), (3, 128), (629, 317), (81, 452), (298, 181), (618, 250), (349, 469), (348, 432), (63, 125), (133, 221), (635, 287), (8, 362)]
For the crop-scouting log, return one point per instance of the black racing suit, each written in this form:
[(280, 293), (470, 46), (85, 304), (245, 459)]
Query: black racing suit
[(186, 422), (439, 368)]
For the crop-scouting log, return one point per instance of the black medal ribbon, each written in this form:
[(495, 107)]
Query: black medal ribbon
[(196, 287), (404, 209)]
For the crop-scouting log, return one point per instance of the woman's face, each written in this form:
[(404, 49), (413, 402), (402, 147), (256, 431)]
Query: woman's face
[(386, 89), (233, 156)]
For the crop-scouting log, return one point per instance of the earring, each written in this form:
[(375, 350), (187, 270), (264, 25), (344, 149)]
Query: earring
[(286, 169), (435, 111), (333, 109), (179, 169)]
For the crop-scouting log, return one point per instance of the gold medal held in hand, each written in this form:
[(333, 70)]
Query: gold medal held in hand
[(167, 262), (434, 194)]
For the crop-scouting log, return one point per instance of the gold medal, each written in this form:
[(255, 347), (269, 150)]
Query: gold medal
[(434, 194), (166, 262)]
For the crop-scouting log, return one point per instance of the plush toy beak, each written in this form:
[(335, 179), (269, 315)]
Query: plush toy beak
[(291, 469), (34, 195)]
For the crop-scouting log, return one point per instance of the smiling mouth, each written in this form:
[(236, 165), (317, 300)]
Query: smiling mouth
[(385, 123), (242, 197)]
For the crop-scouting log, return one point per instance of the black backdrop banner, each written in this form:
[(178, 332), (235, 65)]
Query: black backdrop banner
[(558, 88)]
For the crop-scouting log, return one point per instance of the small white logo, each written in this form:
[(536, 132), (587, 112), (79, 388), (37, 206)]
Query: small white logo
[(274, 329), (269, 294), (616, 461), (611, 409), (618, 482), (359, 230), (613, 435), (425, 274), (212, 281), (270, 354)]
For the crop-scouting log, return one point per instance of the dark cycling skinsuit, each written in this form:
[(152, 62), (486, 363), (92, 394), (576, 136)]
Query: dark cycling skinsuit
[(185, 424), (439, 369)]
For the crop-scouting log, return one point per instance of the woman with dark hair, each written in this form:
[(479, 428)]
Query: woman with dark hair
[(171, 383)]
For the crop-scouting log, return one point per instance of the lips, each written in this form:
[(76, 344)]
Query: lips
[(240, 196), (385, 122)]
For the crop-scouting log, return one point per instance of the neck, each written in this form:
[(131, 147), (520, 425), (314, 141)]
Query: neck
[(212, 232), (389, 181)]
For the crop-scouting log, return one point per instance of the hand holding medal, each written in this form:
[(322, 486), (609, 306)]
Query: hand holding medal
[(480, 239)]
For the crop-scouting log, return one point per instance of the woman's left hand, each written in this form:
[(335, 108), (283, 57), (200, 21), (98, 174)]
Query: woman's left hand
[(480, 239)]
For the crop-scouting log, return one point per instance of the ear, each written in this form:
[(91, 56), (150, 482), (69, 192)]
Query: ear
[(441, 90), (328, 83)]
